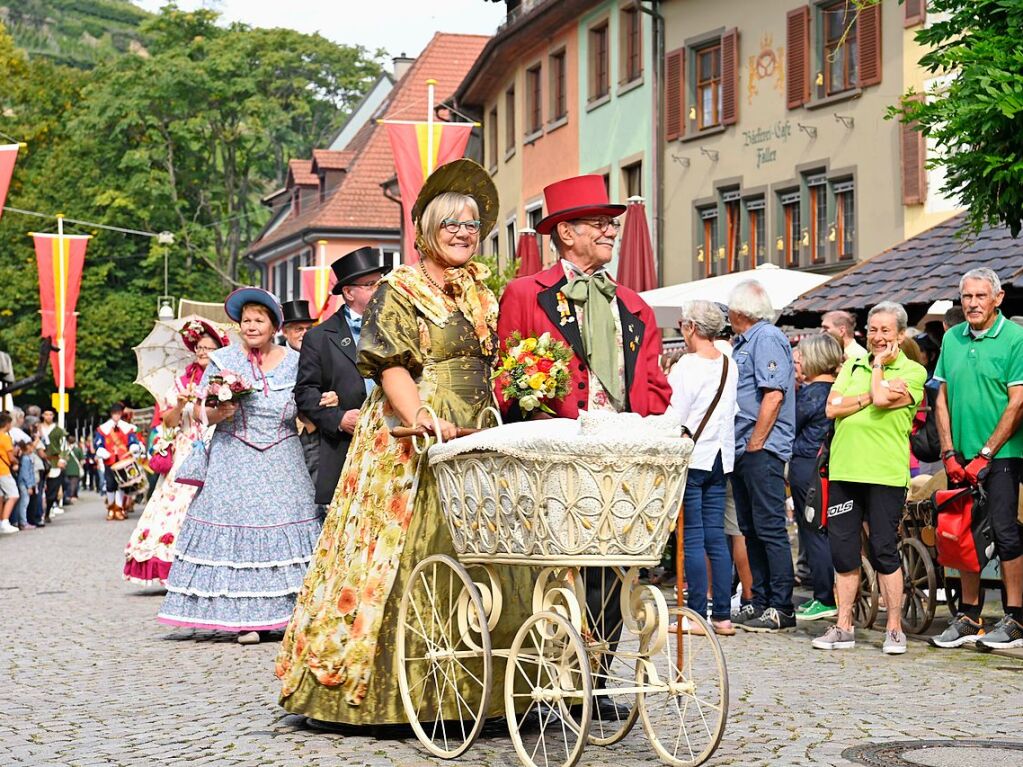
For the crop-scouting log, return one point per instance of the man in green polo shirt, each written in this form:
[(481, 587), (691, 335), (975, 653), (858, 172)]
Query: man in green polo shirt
[(978, 414)]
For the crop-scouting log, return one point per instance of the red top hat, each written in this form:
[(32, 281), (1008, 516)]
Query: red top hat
[(573, 198)]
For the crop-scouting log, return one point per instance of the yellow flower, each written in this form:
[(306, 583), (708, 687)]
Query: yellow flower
[(537, 380), (529, 344), (509, 363)]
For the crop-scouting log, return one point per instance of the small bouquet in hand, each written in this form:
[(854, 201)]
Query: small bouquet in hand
[(227, 386), (533, 372)]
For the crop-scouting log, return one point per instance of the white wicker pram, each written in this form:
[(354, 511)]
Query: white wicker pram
[(576, 507)]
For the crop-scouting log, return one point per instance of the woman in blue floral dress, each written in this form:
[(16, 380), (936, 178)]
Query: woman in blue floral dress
[(249, 534)]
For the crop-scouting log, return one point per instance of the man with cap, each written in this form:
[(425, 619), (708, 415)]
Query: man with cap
[(297, 322), (615, 343), (329, 390)]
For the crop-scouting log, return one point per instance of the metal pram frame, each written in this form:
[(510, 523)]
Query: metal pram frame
[(573, 675)]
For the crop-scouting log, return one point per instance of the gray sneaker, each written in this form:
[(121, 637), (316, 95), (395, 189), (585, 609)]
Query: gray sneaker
[(835, 638), (961, 630), (894, 643), (1006, 634)]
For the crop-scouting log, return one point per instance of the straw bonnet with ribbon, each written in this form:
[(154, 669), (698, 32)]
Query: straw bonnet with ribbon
[(569, 200), (463, 288), (253, 295), (464, 177)]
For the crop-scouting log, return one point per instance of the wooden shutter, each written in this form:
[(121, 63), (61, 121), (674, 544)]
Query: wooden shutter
[(915, 12), (914, 157), (730, 77), (869, 32), (797, 57), (674, 93)]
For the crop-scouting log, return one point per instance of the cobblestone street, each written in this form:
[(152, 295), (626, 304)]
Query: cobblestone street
[(90, 678)]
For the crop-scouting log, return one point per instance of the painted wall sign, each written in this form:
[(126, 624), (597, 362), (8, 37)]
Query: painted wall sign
[(760, 138), (768, 63)]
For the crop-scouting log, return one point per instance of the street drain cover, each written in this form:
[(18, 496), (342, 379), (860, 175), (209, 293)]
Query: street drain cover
[(937, 753)]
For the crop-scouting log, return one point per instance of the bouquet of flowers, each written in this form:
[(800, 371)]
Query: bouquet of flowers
[(533, 371), (227, 386)]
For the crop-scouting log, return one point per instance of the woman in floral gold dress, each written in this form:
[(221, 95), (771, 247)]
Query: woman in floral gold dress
[(428, 338)]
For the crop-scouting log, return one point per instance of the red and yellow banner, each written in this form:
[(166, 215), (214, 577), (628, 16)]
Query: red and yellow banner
[(8, 154), (60, 259), (410, 144), (317, 284)]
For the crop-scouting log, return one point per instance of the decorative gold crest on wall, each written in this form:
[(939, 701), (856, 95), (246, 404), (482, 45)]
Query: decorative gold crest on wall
[(770, 62)]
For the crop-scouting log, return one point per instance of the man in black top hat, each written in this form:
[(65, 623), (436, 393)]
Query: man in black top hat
[(296, 322), (329, 390)]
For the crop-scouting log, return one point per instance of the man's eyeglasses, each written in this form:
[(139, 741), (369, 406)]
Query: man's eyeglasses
[(452, 226), (601, 223), (362, 285)]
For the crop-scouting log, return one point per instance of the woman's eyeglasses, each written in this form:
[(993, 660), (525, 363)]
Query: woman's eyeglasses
[(452, 226), (205, 349)]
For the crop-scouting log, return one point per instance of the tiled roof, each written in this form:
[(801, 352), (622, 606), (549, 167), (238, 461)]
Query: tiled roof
[(300, 173), (359, 203), (326, 159), (920, 270)]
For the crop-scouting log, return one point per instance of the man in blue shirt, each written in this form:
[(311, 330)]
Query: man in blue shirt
[(764, 431)]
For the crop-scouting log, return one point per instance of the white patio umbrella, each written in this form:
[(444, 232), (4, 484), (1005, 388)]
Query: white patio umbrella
[(162, 356), (783, 286)]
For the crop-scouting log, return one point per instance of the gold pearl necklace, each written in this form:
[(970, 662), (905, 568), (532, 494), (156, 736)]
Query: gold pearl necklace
[(426, 274)]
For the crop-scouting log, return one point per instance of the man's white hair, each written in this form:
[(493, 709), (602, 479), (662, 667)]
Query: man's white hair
[(982, 273), (751, 300)]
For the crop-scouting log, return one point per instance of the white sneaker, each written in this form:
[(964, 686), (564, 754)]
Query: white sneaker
[(6, 528), (56, 511)]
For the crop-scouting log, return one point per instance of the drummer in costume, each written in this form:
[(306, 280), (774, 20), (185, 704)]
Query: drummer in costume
[(615, 343), (150, 550), (330, 389), (115, 441), (298, 322), (428, 338)]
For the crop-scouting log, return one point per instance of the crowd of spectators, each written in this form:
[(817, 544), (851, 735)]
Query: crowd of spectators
[(961, 380), (42, 469)]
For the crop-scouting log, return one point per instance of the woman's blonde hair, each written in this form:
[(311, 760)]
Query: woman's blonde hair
[(444, 205), (820, 354)]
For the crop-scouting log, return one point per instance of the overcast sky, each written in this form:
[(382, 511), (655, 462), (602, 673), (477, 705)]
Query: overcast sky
[(399, 26)]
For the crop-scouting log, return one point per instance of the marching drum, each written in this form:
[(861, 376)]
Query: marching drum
[(129, 475)]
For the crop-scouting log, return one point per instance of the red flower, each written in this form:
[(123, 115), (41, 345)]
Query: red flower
[(545, 365), (167, 539), (144, 534)]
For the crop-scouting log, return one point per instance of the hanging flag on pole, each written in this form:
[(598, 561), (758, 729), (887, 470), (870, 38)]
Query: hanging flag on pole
[(8, 154), (60, 258), (418, 148), (317, 283)]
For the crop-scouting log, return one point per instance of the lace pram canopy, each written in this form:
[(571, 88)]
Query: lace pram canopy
[(605, 488)]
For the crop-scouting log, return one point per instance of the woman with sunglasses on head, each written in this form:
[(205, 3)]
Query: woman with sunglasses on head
[(150, 550), (427, 338)]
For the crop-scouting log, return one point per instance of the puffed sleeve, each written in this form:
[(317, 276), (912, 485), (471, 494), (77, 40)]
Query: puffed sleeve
[(390, 335)]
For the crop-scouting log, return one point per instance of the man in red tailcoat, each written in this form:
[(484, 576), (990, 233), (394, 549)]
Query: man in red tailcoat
[(615, 361), (614, 338)]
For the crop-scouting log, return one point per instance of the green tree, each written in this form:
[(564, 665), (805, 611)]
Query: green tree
[(977, 120), (210, 117), (185, 139)]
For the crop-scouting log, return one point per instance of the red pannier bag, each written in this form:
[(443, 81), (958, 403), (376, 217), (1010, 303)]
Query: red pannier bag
[(963, 534)]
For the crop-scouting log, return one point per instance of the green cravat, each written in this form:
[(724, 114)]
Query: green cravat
[(595, 292)]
